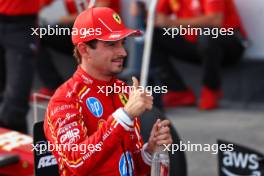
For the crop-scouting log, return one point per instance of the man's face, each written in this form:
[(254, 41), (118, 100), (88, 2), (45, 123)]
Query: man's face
[(108, 57)]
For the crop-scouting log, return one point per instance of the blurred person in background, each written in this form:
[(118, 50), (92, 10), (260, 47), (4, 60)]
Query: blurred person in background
[(46, 69), (210, 51), (17, 54)]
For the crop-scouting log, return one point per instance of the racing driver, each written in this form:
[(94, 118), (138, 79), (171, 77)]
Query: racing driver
[(81, 114)]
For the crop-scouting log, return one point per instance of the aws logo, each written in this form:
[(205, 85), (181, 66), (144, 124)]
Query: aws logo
[(240, 164), (241, 161)]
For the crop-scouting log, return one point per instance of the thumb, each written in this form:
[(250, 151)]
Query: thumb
[(135, 83), (155, 127)]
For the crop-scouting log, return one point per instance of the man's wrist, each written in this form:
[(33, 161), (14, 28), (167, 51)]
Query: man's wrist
[(149, 149), (146, 156), (128, 113), (123, 119)]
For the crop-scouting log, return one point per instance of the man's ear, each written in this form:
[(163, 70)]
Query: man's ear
[(83, 49)]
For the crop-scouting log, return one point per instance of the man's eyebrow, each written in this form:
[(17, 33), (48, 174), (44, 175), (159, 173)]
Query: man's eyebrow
[(109, 42), (114, 42)]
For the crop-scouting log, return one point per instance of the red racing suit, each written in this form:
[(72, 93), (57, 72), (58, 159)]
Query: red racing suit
[(22, 7), (81, 114)]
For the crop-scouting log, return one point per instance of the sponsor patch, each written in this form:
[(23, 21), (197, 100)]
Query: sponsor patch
[(87, 80), (242, 161), (61, 108), (123, 165), (114, 35), (117, 18), (175, 5), (47, 161), (100, 123), (95, 106), (71, 135), (67, 128), (123, 98)]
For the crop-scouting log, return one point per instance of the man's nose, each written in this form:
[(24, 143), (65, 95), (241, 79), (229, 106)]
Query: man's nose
[(122, 51)]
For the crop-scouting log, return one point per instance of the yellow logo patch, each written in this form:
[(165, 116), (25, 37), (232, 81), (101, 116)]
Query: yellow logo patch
[(123, 98), (100, 123), (117, 18), (175, 5)]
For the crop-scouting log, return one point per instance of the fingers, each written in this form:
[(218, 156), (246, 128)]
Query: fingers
[(161, 132), (149, 107), (159, 136), (155, 128), (164, 138), (139, 100), (145, 94), (152, 141), (165, 141), (135, 82), (164, 130), (164, 123), (149, 102), (162, 135)]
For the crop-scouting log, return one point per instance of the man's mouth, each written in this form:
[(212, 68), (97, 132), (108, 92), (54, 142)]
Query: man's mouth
[(118, 61)]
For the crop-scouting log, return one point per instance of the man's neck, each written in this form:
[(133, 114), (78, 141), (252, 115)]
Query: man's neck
[(95, 73)]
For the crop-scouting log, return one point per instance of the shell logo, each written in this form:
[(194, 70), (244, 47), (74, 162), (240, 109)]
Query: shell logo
[(100, 123)]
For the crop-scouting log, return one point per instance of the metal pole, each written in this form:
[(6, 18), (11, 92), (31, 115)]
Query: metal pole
[(36, 105), (92, 3), (35, 110), (79, 5), (148, 43)]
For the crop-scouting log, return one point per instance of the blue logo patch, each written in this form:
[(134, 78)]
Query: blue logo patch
[(95, 106), (123, 165)]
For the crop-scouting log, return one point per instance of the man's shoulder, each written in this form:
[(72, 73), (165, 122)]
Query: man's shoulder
[(71, 89), (69, 93), (120, 82)]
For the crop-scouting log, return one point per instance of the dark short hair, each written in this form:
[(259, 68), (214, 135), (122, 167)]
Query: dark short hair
[(92, 44)]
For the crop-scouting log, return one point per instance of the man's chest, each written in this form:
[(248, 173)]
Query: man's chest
[(98, 107)]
